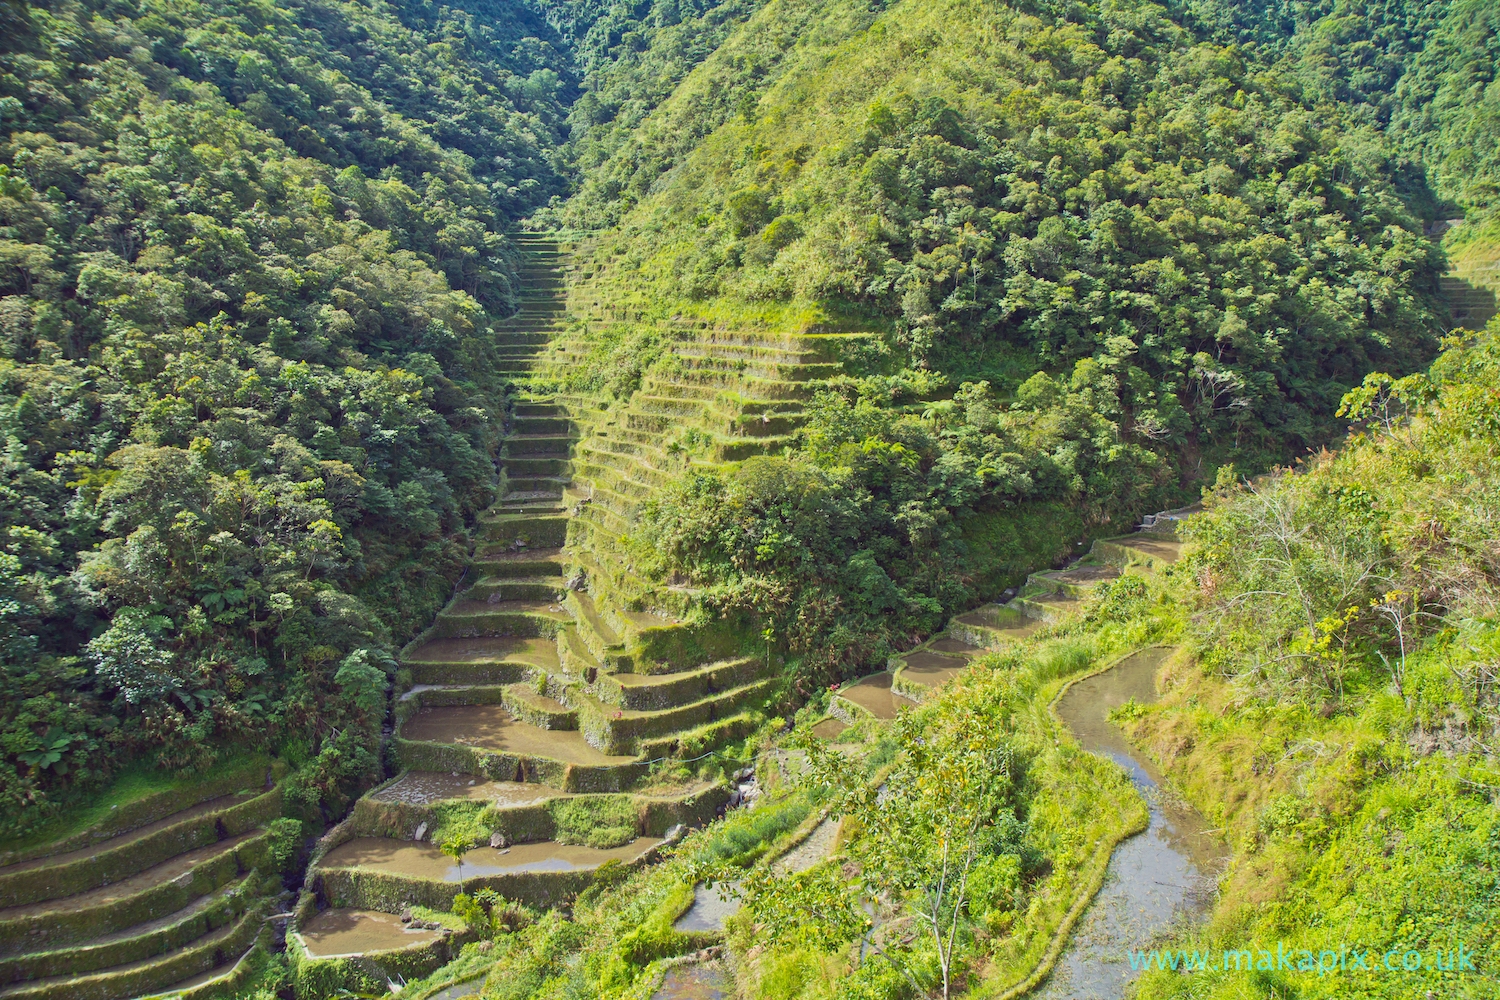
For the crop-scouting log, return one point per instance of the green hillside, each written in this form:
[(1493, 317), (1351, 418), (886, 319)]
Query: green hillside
[(477, 475)]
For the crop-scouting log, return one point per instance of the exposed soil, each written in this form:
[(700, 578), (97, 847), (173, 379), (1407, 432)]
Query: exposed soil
[(491, 727), (1085, 574), (336, 933), (426, 861), (1164, 548)]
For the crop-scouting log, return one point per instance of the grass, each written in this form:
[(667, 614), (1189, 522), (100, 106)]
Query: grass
[(136, 785)]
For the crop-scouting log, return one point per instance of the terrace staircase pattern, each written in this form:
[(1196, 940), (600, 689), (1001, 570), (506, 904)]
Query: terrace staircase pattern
[(556, 672), (1048, 596), (171, 896)]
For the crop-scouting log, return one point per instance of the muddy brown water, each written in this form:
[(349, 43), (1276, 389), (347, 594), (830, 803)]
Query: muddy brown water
[(948, 644), (425, 861), (1014, 624), (1159, 879), (337, 933), (491, 727), (829, 729), (932, 670), (874, 694)]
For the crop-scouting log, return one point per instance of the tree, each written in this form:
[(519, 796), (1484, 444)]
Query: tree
[(945, 809)]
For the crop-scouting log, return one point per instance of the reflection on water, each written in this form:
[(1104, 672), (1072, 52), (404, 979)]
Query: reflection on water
[(699, 981), (1157, 879), (470, 988), (712, 905)]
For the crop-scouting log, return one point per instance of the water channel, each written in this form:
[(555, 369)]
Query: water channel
[(1159, 879)]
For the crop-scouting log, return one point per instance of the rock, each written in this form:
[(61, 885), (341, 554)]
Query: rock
[(406, 915), (675, 834), (421, 831), (497, 839)]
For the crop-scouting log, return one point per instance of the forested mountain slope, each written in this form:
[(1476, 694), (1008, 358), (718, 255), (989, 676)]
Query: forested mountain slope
[(251, 255), (1103, 253), (902, 299)]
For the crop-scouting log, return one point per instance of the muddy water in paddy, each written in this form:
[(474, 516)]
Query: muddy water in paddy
[(950, 645), (1014, 624), (423, 860), (357, 932), (829, 729), (491, 727), (874, 694), (932, 669), (1158, 879)]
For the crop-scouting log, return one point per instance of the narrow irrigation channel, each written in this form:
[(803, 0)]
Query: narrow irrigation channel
[(1158, 879)]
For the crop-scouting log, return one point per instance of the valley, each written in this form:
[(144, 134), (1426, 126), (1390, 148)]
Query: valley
[(786, 500)]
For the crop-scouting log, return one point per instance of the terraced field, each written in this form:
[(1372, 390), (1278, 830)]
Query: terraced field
[(557, 679), (166, 895), (1047, 596)]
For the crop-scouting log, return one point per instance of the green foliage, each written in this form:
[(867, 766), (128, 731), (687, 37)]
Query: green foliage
[(865, 538), (1342, 726), (1105, 188), (1328, 578), (248, 259), (601, 821)]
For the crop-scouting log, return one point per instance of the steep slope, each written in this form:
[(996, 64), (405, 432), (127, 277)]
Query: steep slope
[(250, 257), (558, 679)]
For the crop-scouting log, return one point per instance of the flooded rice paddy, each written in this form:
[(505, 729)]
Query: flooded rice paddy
[(1158, 879), (426, 861), (874, 695), (339, 933), (696, 981), (491, 727)]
